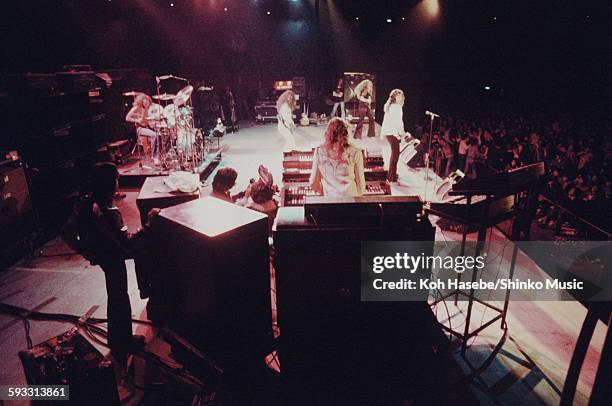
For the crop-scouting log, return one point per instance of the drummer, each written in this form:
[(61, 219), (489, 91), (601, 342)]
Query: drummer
[(142, 113)]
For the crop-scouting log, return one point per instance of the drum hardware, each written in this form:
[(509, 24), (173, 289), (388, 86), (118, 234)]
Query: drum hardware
[(164, 96), (182, 144), (184, 95), (132, 93)]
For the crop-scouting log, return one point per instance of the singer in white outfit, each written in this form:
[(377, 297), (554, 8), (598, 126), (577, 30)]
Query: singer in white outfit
[(393, 129), (286, 127)]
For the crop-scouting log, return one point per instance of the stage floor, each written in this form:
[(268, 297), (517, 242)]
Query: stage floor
[(256, 145), (529, 369)]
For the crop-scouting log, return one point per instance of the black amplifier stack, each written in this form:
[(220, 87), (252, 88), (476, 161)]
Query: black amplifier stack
[(58, 122)]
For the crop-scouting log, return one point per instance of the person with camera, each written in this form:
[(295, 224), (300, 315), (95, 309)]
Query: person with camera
[(96, 230)]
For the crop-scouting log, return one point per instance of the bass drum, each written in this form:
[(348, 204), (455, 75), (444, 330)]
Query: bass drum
[(185, 117), (171, 114)]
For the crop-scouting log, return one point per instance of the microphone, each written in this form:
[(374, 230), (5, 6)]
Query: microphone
[(431, 114)]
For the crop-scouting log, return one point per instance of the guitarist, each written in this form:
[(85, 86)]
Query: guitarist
[(285, 105), (338, 98), (364, 92)]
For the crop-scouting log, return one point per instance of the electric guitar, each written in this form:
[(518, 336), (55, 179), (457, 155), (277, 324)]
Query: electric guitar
[(304, 120)]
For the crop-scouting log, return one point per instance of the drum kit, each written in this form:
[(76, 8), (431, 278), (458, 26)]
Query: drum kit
[(180, 145)]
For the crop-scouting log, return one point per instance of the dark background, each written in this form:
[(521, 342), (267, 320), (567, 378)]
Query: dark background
[(535, 55)]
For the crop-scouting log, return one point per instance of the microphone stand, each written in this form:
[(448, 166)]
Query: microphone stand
[(432, 117)]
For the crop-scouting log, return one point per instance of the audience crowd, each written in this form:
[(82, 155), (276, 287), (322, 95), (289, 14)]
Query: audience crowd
[(577, 158)]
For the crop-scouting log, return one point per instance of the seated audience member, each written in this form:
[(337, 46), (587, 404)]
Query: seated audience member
[(224, 180), (261, 193), (338, 168)]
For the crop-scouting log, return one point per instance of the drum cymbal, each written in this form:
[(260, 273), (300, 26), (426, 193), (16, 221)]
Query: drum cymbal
[(164, 96), (183, 95)]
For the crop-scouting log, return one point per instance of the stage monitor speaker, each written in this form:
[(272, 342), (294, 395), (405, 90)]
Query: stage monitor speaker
[(214, 275), (447, 184), (417, 160)]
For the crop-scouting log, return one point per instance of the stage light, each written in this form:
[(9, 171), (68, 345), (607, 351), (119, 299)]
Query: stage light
[(388, 20), (432, 7), (403, 18), (171, 4), (225, 9), (268, 13), (356, 18), (487, 87)]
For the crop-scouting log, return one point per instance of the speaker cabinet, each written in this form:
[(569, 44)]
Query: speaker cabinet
[(213, 271), (324, 325), (15, 200), (17, 220)]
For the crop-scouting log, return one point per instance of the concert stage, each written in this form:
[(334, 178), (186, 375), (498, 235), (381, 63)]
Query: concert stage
[(256, 145), (529, 368)]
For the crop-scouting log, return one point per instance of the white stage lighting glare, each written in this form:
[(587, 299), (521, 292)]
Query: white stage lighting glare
[(432, 7)]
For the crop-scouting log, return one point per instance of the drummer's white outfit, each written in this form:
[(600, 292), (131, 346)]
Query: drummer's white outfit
[(286, 126)]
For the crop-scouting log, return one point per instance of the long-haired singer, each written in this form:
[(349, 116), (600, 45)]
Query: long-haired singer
[(393, 129)]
